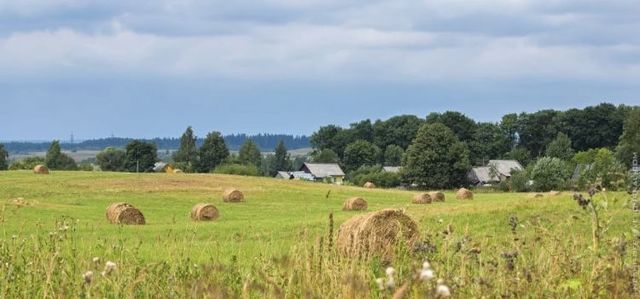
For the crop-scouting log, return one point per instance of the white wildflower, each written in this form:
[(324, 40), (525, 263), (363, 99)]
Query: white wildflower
[(88, 277), (442, 291), (391, 283), (109, 267), (427, 274), (390, 271), (426, 266), (380, 283)]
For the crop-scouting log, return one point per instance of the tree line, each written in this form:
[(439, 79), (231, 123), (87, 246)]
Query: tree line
[(438, 150)]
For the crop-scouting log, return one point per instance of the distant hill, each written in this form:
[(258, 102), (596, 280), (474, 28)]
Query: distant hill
[(266, 142)]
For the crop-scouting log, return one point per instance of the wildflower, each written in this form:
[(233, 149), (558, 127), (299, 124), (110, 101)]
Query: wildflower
[(96, 260), (390, 271), (109, 267), (88, 277), (440, 220), (391, 282), (426, 265), (426, 274), (442, 291), (380, 283)]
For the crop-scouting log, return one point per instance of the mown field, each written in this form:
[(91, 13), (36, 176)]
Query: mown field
[(279, 243)]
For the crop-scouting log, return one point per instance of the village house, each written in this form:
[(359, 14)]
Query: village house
[(496, 171), (331, 173)]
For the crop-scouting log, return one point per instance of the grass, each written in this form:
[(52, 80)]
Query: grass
[(275, 244)]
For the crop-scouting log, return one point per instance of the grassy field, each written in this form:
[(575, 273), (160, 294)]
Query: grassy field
[(277, 243)]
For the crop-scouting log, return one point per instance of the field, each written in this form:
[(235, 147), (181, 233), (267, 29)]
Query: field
[(279, 242)]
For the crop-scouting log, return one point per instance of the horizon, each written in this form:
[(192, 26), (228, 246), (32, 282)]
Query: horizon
[(146, 69)]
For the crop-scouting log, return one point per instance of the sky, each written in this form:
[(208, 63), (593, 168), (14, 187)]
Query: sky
[(148, 68)]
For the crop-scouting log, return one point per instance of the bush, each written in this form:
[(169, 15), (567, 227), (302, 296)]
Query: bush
[(238, 169), (27, 163), (519, 181), (548, 174), (375, 175)]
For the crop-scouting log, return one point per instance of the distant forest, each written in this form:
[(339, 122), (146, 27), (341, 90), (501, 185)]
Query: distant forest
[(266, 142)]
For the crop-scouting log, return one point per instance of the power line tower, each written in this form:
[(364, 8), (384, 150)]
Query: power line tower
[(71, 139)]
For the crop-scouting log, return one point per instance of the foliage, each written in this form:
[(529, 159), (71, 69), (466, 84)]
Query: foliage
[(325, 156), (488, 141), (374, 174), (282, 159), (56, 160), (27, 163), (519, 181), (237, 169), (548, 174), (360, 153), (560, 148), (520, 154), (536, 130), (212, 152), (393, 155), (250, 154), (398, 130), (594, 126), (600, 167), (140, 156), (630, 139), (4, 157), (436, 158), (187, 153), (111, 159), (461, 125)]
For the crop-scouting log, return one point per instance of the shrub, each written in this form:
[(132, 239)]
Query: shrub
[(548, 174), (519, 181), (27, 163), (238, 169)]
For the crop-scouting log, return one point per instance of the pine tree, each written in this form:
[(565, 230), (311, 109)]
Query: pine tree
[(212, 152), (187, 154)]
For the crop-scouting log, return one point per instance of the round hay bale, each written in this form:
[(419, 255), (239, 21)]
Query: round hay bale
[(437, 196), (178, 171), (204, 212), (355, 204), (376, 234), (369, 185), (554, 193), (422, 198), (464, 193), (41, 169), (124, 213), (233, 195)]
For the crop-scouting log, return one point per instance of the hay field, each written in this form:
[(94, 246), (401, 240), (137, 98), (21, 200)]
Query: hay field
[(277, 243)]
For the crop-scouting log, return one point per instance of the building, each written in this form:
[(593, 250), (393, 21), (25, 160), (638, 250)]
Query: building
[(294, 175), (392, 169), (331, 173), (496, 171)]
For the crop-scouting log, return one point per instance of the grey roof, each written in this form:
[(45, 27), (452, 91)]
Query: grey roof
[(482, 175), (323, 170), (392, 169), (283, 174), (159, 166), (301, 175), (504, 167)]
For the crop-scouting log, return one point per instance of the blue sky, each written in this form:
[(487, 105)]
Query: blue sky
[(151, 68)]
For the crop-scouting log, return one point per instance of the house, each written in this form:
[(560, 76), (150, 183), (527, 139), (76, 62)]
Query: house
[(294, 175), (331, 173), (392, 169), (159, 166), (496, 171)]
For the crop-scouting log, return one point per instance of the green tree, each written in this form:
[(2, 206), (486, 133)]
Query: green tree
[(111, 159), (519, 154), (437, 158), (560, 148), (325, 156), (27, 163), (55, 159), (187, 154), (536, 130), (489, 142), (140, 156), (600, 166), (212, 153), (250, 153), (360, 153), (594, 126), (461, 125), (630, 139), (4, 158), (393, 155), (549, 173), (399, 130), (282, 160)]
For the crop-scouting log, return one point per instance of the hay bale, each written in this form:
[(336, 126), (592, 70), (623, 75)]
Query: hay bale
[(376, 234), (422, 198), (355, 204), (369, 185), (204, 212), (41, 169), (464, 193), (535, 195), (437, 196), (124, 213), (554, 193), (178, 171), (233, 195)]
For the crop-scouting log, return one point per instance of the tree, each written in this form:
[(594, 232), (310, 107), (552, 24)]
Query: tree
[(630, 139), (55, 159), (187, 154), (4, 157), (560, 148), (594, 126), (600, 167), (111, 159), (549, 173), (282, 160), (461, 125), (393, 155), (489, 142), (437, 158), (399, 130), (360, 153), (536, 130), (212, 152), (324, 138), (519, 154), (27, 163), (250, 154), (325, 156), (140, 156)]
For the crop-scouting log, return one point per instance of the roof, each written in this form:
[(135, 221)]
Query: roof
[(301, 175), (504, 167), (323, 170), (482, 175), (392, 169), (159, 166)]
